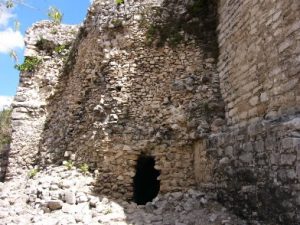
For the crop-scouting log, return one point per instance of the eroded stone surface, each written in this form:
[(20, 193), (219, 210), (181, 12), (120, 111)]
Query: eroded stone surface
[(34, 201), (125, 91)]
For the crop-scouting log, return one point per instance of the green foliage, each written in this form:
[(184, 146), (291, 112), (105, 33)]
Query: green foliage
[(84, 168), (69, 164), (32, 173), (55, 14), (5, 129), (49, 46), (29, 65), (119, 2), (60, 48)]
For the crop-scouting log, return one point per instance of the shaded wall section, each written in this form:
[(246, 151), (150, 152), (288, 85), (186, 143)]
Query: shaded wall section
[(257, 157)]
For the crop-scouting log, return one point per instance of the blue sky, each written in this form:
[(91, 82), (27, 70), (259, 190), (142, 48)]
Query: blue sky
[(74, 13)]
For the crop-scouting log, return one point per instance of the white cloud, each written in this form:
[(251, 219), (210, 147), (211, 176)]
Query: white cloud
[(5, 101), (5, 16), (10, 39)]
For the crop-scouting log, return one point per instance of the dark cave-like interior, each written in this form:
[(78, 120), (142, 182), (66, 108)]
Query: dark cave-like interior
[(145, 183)]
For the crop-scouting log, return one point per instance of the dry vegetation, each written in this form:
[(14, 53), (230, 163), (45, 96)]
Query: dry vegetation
[(5, 129)]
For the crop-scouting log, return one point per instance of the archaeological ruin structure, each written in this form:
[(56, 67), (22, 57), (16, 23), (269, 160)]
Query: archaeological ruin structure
[(158, 96)]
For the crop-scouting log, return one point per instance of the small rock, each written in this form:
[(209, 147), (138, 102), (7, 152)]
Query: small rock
[(54, 204), (69, 197), (82, 198), (93, 201), (203, 200), (213, 217), (54, 187)]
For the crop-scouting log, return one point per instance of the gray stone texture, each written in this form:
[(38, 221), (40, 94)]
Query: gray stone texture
[(259, 77), (35, 88), (226, 121)]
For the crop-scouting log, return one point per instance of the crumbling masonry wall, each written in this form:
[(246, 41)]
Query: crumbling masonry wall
[(128, 88), (35, 87), (125, 95), (258, 154)]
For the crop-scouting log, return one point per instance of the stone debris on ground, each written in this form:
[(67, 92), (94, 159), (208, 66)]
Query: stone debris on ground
[(59, 196)]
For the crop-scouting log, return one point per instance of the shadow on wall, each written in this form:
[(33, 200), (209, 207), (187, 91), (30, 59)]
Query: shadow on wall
[(4, 153), (197, 18), (5, 139)]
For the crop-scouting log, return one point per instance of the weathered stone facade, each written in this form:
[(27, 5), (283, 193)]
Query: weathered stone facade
[(259, 153), (132, 98), (130, 89), (29, 105), (259, 59)]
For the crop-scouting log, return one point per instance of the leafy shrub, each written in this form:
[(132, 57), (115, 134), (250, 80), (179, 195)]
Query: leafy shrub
[(69, 164), (55, 15), (29, 65), (119, 2), (60, 48), (84, 168), (32, 173), (5, 129)]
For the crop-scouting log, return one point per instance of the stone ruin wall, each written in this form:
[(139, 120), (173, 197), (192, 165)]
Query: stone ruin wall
[(259, 60), (124, 97), (29, 105), (119, 97), (258, 154)]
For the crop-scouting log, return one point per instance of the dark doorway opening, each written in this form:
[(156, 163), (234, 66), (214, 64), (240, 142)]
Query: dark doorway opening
[(145, 183)]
